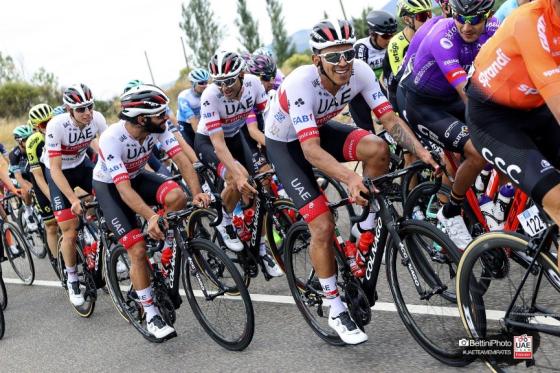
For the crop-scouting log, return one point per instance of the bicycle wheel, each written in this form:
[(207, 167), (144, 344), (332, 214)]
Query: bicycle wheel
[(429, 316), (18, 253), (277, 222), (37, 246), (2, 323), (304, 284), (52, 260), (3, 293), (334, 191), (199, 227), (87, 283), (484, 294), (228, 320)]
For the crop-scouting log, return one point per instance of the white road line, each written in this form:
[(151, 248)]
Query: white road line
[(285, 299)]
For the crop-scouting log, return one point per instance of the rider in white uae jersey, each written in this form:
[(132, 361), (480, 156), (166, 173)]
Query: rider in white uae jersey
[(218, 113), (64, 138), (126, 156), (302, 105)]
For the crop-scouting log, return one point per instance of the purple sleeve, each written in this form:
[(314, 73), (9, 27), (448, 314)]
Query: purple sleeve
[(445, 48)]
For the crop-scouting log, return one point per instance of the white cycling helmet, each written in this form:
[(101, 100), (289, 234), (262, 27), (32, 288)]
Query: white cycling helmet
[(331, 32), (145, 99), (225, 64), (77, 95)]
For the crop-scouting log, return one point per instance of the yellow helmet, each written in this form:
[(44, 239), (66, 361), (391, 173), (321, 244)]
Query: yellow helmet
[(39, 114)]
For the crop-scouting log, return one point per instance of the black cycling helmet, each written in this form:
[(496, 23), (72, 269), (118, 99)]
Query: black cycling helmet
[(471, 7), (381, 22)]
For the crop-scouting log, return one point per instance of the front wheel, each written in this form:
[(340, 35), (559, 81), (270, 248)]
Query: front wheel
[(35, 238), (18, 253), (3, 293), (228, 320), (421, 275), (2, 323)]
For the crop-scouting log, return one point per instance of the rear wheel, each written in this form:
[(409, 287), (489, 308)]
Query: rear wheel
[(35, 240), (3, 293), (18, 253), (2, 323)]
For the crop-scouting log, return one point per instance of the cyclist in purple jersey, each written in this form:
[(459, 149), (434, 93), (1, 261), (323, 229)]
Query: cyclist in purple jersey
[(435, 98)]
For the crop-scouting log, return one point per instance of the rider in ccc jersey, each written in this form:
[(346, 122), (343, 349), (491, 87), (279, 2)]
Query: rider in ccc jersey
[(226, 104), (300, 134), (435, 97), (68, 137), (124, 189)]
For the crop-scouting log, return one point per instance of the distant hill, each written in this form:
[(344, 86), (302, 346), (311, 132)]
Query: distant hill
[(301, 40)]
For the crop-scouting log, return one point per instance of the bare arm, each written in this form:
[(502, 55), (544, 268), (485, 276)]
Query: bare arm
[(255, 133), (194, 123), (224, 155), (41, 182), (321, 159), (188, 172), (461, 91), (133, 200), (553, 104), (186, 148)]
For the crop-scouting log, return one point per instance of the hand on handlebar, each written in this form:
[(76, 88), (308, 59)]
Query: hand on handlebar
[(245, 187), (154, 229), (76, 207), (202, 200), (356, 186), (434, 161)]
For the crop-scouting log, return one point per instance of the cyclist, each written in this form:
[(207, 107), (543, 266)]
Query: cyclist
[(371, 49), (435, 100), (513, 109), (263, 66), (220, 144), (39, 116), (188, 104), (414, 13), (267, 52), (507, 7), (124, 189), (68, 137), (20, 169), (61, 109), (300, 134)]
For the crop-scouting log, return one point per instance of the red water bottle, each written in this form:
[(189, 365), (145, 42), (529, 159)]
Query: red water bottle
[(166, 255), (350, 251), (89, 253), (248, 216), (242, 230), (364, 244)]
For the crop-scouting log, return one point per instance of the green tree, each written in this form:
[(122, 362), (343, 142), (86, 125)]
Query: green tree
[(16, 98), (202, 32), (8, 69), (360, 24), (248, 27), (296, 60), (281, 44)]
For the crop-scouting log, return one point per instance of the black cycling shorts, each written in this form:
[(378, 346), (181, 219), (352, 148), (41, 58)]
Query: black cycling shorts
[(361, 113), (79, 176), (241, 150), (437, 120), (525, 145), (187, 132), (121, 219), (296, 173), (43, 204)]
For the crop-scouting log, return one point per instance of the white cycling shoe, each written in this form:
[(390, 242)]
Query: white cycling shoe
[(272, 268), (230, 237), (159, 328), (456, 229), (347, 329), (75, 295)]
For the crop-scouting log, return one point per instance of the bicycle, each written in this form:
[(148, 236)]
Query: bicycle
[(15, 247), (88, 268), (3, 292), (500, 296), (197, 262), (421, 276), (36, 239)]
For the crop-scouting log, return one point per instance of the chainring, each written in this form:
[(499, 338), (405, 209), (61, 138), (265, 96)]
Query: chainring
[(357, 302)]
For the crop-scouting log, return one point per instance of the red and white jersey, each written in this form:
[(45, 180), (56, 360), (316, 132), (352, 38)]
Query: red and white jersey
[(122, 157), (302, 105), (64, 138), (218, 113)]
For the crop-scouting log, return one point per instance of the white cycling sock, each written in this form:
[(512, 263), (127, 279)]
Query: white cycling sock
[(262, 246), (331, 296), (369, 223), (226, 219), (29, 209), (72, 273), (147, 300)]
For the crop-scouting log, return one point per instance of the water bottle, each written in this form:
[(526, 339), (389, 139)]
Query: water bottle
[(487, 208), (169, 239), (350, 250), (248, 217), (166, 256), (504, 197), (364, 245), (242, 231), (417, 213), (89, 254), (482, 179)]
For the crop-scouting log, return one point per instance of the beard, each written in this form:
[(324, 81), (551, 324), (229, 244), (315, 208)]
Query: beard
[(151, 127)]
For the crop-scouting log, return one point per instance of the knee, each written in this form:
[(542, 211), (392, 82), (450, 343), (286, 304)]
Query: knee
[(175, 199), (137, 253), (373, 150), (51, 226), (322, 228)]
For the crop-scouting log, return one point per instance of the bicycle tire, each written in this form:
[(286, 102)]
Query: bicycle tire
[(433, 323), (110, 273), (196, 246), (2, 323), (22, 252), (338, 187), (301, 290), (468, 291), (285, 220), (90, 294), (37, 245), (3, 293), (52, 260)]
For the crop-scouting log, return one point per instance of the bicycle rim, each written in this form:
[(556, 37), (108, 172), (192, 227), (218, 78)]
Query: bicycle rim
[(85, 279), (208, 277), (34, 239), (3, 294), (18, 253)]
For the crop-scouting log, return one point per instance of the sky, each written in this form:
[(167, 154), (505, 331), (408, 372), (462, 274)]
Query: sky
[(101, 43)]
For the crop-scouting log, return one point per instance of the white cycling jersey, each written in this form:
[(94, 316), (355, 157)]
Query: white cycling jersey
[(64, 138), (221, 114), (371, 55), (122, 157), (302, 104)]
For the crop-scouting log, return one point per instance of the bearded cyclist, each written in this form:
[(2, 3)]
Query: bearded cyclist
[(513, 111), (300, 135), (68, 137), (371, 49)]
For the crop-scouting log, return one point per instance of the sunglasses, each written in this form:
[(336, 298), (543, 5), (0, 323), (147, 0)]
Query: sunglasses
[(386, 36), (161, 115), (267, 78), (334, 57), (226, 82), (423, 17), (202, 83), (83, 108), (471, 20)]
